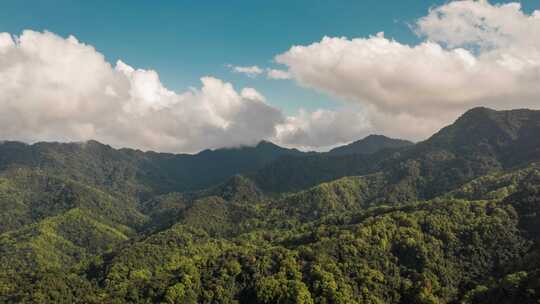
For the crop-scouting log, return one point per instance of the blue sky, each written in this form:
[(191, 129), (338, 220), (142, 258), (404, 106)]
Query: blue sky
[(184, 40), (470, 53)]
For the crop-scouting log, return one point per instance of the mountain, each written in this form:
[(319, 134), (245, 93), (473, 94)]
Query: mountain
[(137, 173), (479, 142), (370, 144), (452, 219)]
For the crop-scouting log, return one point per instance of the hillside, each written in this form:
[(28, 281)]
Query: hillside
[(479, 142), (370, 144), (452, 219), (137, 173)]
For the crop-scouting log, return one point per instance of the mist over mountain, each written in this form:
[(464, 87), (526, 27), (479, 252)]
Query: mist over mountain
[(270, 152), (162, 172), (448, 219)]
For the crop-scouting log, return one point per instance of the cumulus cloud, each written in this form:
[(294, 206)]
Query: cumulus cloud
[(53, 88), (250, 71), (323, 129), (467, 23), (59, 89), (277, 74), (474, 53)]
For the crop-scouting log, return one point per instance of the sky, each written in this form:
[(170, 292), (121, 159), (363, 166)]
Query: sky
[(182, 76)]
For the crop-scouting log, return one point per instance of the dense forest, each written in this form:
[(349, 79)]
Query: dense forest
[(452, 219)]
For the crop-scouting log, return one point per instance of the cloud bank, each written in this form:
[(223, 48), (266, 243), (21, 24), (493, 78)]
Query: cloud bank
[(474, 53), (53, 88), (59, 89), (323, 129)]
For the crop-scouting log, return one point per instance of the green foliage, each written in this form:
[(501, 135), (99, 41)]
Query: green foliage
[(453, 219)]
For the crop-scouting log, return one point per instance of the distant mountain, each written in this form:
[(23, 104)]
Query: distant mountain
[(138, 173), (453, 219), (479, 142), (509, 136), (370, 145)]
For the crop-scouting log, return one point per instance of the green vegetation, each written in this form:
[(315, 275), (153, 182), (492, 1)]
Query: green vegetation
[(370, 145), (454, 219)]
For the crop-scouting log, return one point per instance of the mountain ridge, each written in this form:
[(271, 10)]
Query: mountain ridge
[(370, 144), (453, 219)]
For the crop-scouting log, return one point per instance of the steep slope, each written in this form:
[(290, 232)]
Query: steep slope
[(479, 142), (289, 174), (169, 172), (236, 189), (422, 253), (51, 223), (59, 241), (370, 144), (29, 196), (347, 194), (431, 252), (498, 185), (136, 173), (484, 130), (232, 196), (519, 283), (47, 220), (452, 219)]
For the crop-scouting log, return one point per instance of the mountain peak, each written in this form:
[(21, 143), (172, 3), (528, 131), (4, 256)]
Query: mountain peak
[(485, 125), (370, 144), (478, 113), (268, 144), (94, 142)]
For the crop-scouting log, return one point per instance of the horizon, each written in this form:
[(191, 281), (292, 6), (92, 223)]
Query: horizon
[(404, 73), (259, 152), (2, 141)]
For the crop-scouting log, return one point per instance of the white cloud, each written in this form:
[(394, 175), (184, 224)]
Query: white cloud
[(250, 71), (252, 94), (277, 74), (466, 23), (58, 89), (474, 54), (322, 129), (53, 88)]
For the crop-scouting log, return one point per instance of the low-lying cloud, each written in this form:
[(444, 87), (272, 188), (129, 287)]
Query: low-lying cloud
[(59, 89), (53, 88), (323, 129)]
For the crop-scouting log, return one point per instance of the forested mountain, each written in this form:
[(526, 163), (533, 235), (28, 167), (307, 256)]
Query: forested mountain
[(370, 145), (480, 141), (453, 219), (139, 173)]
